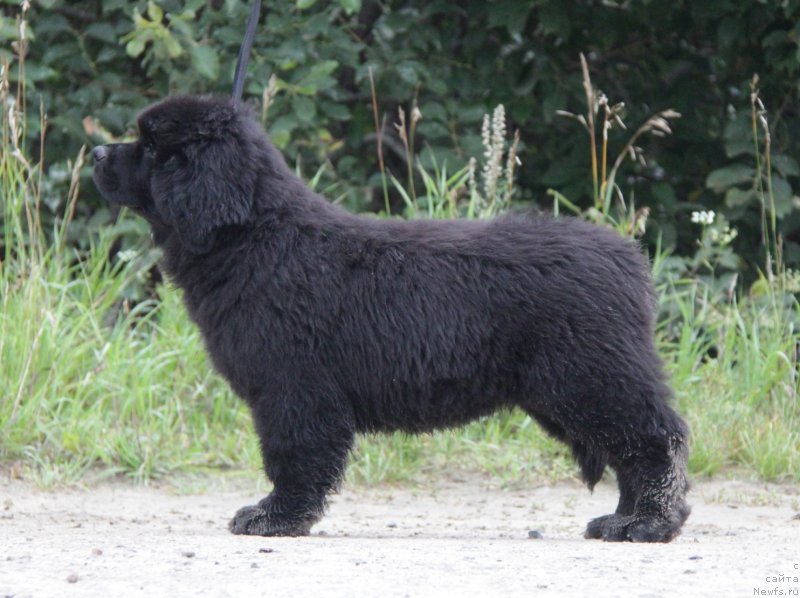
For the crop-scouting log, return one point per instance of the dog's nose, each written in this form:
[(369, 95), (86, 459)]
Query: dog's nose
[(99, 153)]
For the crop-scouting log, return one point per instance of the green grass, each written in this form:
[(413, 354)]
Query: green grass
[(742, 404), (89, 383), (135, 395)]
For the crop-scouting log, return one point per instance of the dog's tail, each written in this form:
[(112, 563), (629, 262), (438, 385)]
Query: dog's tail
[(592, 463)]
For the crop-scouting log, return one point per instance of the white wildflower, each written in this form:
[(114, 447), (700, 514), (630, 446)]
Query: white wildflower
[(493, 135), (486, 136), (727, 235), (471, 184), (703, 217)]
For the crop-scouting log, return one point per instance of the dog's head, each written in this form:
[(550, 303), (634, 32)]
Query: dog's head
[(190, 171)]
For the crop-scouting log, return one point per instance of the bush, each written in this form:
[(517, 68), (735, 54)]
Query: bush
[(94, 63)]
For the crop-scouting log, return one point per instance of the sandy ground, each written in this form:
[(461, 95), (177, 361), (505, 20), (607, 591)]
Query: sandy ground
[(448, 539)]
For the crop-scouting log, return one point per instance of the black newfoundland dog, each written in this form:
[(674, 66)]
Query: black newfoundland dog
[(329, 324)]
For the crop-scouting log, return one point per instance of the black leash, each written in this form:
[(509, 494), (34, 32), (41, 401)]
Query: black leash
[(244, 52)]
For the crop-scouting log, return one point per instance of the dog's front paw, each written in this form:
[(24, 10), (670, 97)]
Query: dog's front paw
[(256, 521)]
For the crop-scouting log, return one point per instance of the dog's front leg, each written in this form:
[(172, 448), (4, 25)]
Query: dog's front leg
[(305, 445)]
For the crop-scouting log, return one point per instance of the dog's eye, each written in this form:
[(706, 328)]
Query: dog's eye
[(149, 146)]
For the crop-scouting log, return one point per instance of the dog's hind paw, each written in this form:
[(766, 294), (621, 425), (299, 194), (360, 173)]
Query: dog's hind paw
[(633, 528), (255, 521), (594, 531)]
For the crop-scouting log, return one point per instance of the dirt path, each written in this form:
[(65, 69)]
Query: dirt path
[(457, 539)]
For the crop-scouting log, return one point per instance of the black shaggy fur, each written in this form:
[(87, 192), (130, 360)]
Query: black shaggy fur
[(329, 324)]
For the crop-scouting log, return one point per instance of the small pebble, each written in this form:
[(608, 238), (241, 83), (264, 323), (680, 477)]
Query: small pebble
[(695, 558), (266, 550), (96, 552), (72, 578), (535, 535), (188, 554)]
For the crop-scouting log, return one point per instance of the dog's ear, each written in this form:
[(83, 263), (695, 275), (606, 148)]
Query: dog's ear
[(204, 186)]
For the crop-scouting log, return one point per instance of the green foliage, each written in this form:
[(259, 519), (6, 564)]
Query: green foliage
[(91, 377), (94, 63), (734, 367)]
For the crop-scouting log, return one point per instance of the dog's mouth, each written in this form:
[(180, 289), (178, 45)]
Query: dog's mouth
[(106, 183), (112, 191)]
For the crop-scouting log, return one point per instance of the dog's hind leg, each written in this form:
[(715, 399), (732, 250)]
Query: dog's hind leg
[(628, 495), (624, 421), (651, 470), (305, 452), (592, 465)]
